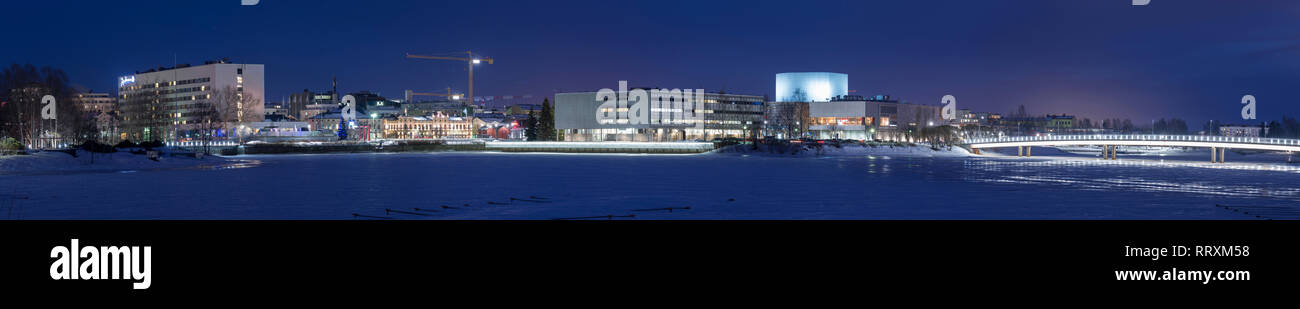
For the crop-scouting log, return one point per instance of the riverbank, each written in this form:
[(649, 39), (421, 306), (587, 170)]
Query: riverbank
[(353, 147), (471, 146), (847, 149)]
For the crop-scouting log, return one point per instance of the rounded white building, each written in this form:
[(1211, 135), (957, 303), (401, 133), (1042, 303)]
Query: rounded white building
[(810, 86)]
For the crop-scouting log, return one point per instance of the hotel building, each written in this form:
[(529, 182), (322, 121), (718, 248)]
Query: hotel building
[(174, 104)]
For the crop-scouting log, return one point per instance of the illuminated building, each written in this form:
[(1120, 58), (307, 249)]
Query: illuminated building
[(307, 104), (857, 117), (434, 126), (1060, 121), (723, 116), (95, 102), (810, 86), (1243, 130), (174, 103)]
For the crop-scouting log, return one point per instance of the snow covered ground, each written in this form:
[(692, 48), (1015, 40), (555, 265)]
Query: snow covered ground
[(849, 184), (60, 163)]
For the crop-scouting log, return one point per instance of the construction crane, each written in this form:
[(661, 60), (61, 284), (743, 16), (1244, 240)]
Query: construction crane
[(449, 94), (470, 60)]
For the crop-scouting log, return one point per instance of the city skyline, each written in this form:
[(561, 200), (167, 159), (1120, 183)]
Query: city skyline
[(658, 149), (1096, 59)]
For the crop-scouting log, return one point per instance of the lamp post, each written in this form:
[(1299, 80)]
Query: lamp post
[(373, 125)]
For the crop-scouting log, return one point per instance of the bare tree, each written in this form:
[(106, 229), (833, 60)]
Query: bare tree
[(230, 108), (21, 91)]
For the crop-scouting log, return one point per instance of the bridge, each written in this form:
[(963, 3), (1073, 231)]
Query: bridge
[(1217, 145)]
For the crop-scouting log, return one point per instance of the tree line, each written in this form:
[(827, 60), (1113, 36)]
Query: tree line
[(21, 90), (1287, 128), (541, 126)]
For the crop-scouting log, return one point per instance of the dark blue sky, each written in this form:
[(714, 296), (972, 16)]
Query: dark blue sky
[(1096, 58)]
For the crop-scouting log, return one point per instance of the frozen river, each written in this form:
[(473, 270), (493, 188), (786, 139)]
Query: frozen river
[(714, 186)]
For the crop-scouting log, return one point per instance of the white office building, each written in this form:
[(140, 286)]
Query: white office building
[(180, 103), (720, 116)]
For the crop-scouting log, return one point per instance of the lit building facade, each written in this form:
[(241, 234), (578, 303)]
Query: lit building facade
[(723, 116), (1243, 130), (1060, 122), (434, 126), (171, 104), (95, 102), (102, 107), (306, 104), (863, 118), (839, 120)]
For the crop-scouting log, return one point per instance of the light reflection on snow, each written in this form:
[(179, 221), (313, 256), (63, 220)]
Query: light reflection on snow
[(1102, 175), (578, 185)]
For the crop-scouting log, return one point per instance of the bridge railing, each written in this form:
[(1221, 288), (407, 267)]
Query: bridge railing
[(1139, 137)]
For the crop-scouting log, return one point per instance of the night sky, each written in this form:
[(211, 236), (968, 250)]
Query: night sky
[(1192, 59)]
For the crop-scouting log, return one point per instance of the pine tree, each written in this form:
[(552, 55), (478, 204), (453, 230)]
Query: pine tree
[(530, 133), (546, 122)]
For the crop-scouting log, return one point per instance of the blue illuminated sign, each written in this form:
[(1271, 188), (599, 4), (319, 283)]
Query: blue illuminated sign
[(125, 80)]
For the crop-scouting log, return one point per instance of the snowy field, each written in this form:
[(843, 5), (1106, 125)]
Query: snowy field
[(52, 162), (858, 183)]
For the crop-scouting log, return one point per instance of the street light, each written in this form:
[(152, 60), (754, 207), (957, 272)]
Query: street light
[(373, 126)]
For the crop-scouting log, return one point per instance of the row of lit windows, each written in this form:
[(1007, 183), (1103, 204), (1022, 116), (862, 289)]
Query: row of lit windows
[(171, 83)]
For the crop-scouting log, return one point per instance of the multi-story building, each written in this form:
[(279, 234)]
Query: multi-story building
[(102, 107), (275, 109), (95, 102), (839, 120), (332, 120), (722, 115), (434, 126), (878, 117), (184, 102), (1239, 130), (1060, 122), (306, 104)]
